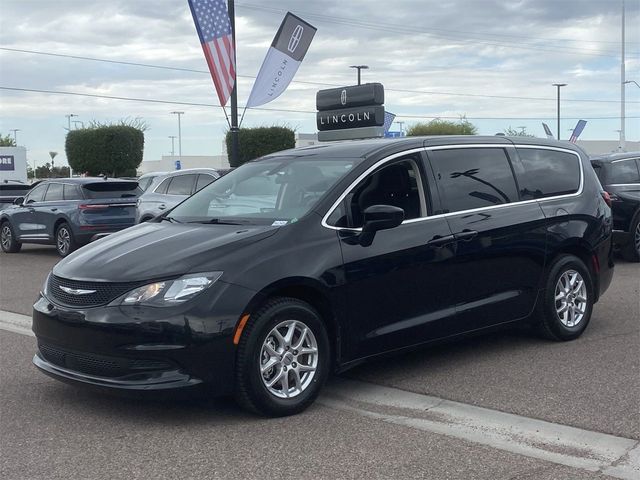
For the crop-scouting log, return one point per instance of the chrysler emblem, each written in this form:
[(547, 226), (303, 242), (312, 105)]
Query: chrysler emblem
[(76, 291), (343, 97), (295, 38)]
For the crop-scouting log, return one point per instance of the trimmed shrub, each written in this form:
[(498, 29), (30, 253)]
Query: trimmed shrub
[(442, 127), (256, 142)]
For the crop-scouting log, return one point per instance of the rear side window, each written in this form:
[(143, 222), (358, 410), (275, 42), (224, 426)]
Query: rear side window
[(112, 189), (145, 182), (623, 171), (548, 173), (471, 178), (204, 180), (181, 185), (72, 192), (54, 192)]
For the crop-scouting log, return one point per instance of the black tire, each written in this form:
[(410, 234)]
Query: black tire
[(251, 391), (8, 240), (65, 241), (631, 251), (547, 319)]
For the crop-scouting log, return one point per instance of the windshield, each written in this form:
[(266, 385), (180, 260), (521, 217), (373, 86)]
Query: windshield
[(275, 191)]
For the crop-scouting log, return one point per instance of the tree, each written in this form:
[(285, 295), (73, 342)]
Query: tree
[(256, 142), (442, 127), (515, 133), (47, 171), (114, 150), (7, 141)]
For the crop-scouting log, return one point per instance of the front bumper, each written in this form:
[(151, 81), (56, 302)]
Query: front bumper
[(142, 348)]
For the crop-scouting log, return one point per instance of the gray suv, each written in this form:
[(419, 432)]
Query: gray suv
[(167, 191)]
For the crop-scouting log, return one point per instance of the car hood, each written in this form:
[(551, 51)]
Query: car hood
[(156, 250)]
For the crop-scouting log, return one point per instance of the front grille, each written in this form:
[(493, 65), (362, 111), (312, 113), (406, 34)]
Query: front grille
[(102, 292), (98, 365)]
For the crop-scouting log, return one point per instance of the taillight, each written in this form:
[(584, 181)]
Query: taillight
[(606, 197), (92, 206)]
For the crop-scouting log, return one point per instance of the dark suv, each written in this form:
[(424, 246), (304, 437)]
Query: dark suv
[(68, 212), (620, 175), (315, 259)]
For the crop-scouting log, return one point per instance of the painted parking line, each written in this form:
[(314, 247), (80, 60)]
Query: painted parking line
[(593, 451), (618, 457), (15, 322)]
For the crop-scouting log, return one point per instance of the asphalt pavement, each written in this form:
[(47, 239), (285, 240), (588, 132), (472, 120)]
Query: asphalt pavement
[(51, 430)]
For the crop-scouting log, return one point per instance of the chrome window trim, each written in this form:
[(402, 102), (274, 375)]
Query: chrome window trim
[(473, 210), (637, 184), (624, 160)]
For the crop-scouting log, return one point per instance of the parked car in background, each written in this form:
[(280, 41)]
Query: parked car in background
[(69, 213), (619, 174), (145, 180), (352, 250), (166, 191), (10, 190)]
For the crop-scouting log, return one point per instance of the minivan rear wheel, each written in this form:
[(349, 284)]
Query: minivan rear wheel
[(8, 240), (283, 358), (564, 310)]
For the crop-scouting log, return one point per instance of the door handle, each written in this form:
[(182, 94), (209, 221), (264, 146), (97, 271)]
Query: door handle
[(54, 209), (441, 241), (466, 235)]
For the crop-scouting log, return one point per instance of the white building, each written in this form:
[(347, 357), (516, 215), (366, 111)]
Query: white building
[(168, 163), (13, 163)]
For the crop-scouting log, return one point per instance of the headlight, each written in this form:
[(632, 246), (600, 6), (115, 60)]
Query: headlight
[(170, 292)]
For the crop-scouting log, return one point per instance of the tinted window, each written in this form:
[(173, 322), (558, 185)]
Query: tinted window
[(396, 184), (163, 186), (72, 192), (181, 185), (204, 180), (54, 192), (36, 194), (473, 178), (111, 189), (548, 173), (144, 183), (623, 171)]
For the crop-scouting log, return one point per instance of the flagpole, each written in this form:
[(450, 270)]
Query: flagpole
[(233, 161)]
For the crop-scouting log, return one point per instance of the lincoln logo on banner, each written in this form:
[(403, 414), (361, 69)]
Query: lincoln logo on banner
[(282, 61)]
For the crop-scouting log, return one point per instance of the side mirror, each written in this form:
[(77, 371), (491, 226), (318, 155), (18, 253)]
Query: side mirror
[(379, 217), (18, 201), (382, 217)]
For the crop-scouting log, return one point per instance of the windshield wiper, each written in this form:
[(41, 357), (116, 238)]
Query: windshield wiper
[(220, 221), (169, 219)]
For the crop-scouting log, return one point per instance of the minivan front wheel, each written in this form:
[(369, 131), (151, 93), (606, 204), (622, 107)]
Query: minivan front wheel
[(283, 358), (8, 240), (565, 309), (65, 242), (631, 252)]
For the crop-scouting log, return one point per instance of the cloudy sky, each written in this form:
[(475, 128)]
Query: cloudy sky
[(492, 60)]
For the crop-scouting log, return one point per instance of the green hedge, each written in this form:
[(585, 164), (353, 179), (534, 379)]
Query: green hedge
[(442, 127), (114, 150), (256, 142)]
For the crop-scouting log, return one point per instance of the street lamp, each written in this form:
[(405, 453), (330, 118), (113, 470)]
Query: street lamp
[(359, 67), (173, 150), (69, 115), (15, 135), (632, 81), (179, 135), (558, 85)]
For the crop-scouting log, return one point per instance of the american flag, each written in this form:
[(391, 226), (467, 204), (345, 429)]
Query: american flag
[(214, 29), (388, 120)]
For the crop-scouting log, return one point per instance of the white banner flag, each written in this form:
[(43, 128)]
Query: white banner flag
[(282, 61)]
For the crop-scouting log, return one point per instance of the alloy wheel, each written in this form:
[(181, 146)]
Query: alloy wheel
[(288, 359), (637, 238), (570, 298), (63, 241), (6, 237)]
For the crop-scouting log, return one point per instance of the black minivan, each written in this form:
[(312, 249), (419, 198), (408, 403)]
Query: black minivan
[(311, 260)]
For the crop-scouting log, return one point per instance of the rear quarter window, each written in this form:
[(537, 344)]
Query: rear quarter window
[(623, 171), (112, 189), (548, 173)]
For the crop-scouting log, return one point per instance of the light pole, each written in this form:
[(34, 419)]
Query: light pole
[(69, 115), (558, 85), (632, 81), (401, 124), (173, 150), (359, 67), (15, 135), (179, 135)]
